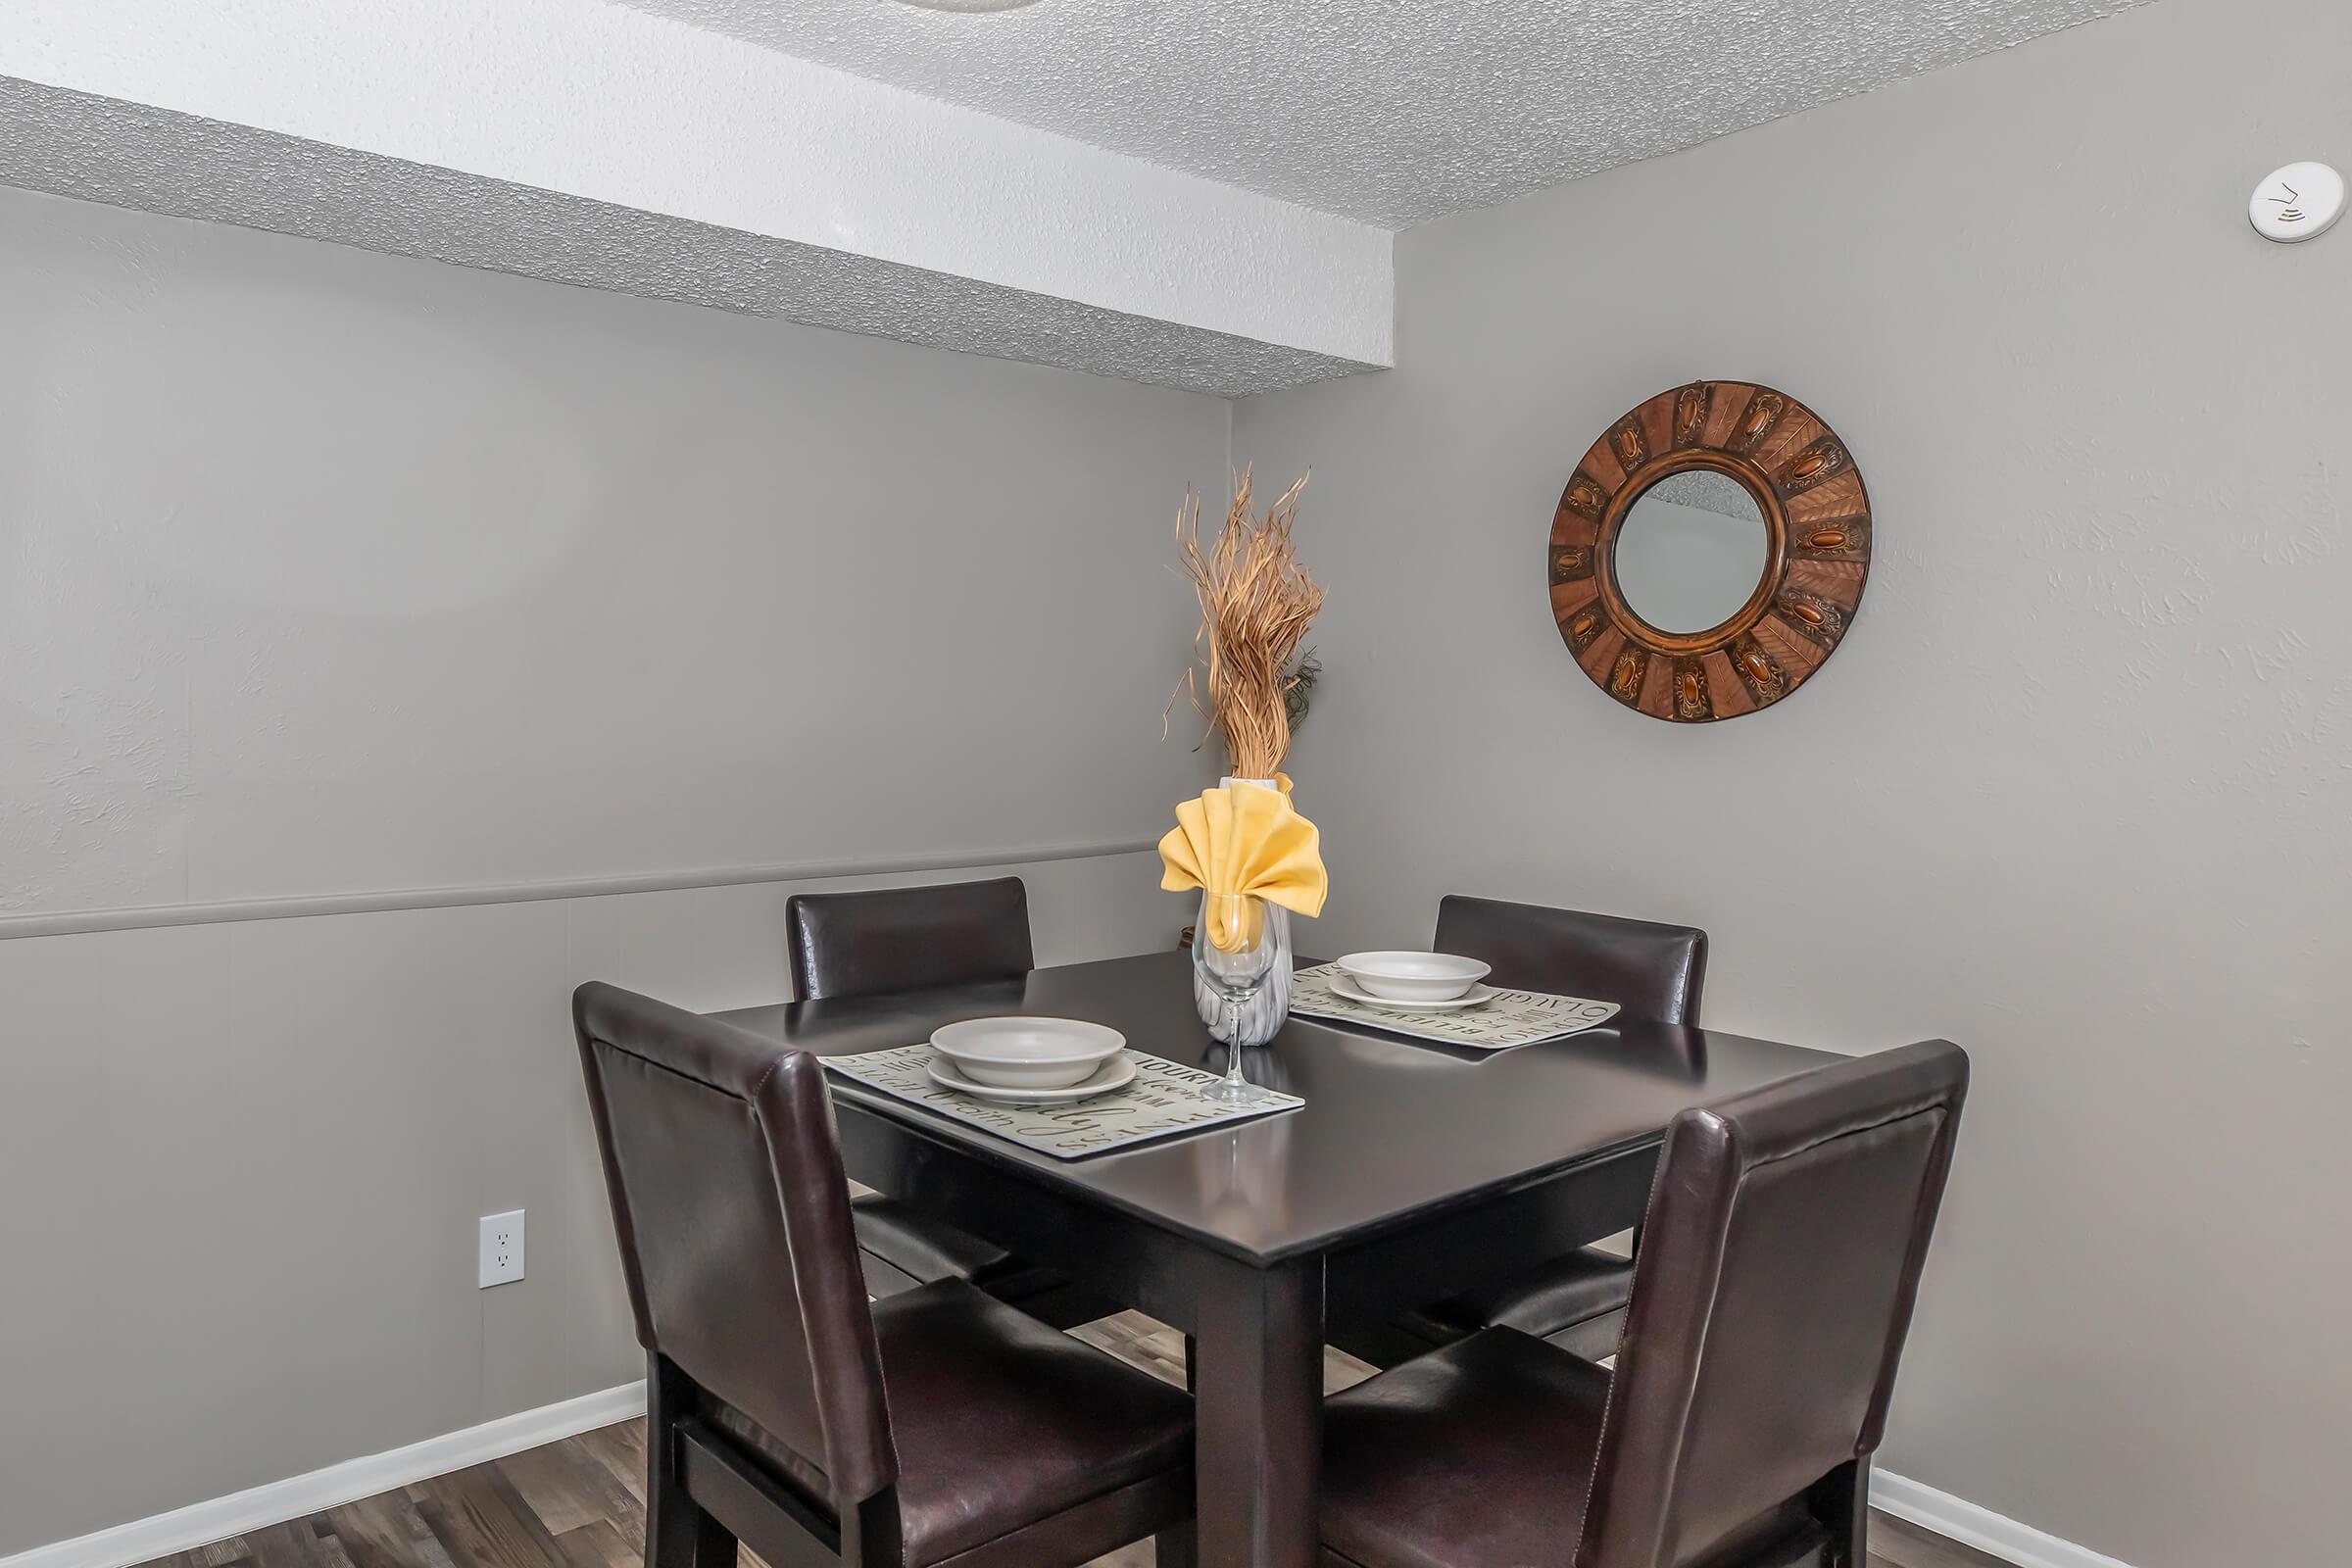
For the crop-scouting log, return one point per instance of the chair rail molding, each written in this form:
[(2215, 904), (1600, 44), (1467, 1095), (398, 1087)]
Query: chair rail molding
[(140, 917)]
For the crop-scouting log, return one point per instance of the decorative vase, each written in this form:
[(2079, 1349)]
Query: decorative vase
[(1263, 1015)]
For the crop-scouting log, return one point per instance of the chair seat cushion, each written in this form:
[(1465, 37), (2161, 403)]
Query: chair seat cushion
[(1566, 1291), (1474, 1456), (1000, 1421)]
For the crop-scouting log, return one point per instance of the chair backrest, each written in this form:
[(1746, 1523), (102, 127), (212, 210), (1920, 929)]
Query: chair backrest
[(733, 1214), (1770, 1296), (905, 938), (1650, 970)]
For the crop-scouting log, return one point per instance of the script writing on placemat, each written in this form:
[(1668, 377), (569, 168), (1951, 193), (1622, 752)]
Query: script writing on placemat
[(1163, 1101), (1513, 1018)]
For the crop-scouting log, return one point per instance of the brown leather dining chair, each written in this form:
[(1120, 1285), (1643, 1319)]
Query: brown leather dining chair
[(1774, 1289), (1651, 972), (846, 944), (907, 939), (788, 1412)]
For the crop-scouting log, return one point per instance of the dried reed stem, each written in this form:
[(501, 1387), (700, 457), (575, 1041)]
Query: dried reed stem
[(1256, 601)]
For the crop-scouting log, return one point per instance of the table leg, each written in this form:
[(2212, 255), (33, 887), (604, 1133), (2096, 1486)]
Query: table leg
[(1259, 1404)]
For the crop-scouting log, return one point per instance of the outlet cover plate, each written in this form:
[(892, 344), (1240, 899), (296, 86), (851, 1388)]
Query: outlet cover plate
[(502, 1248)]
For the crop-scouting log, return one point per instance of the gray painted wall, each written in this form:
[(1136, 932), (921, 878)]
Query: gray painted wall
[(241, 1164), (330, 570), (326, 572), (2074, 794)]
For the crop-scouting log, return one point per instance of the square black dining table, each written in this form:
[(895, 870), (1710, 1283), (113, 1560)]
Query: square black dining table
[(1414, 1171)]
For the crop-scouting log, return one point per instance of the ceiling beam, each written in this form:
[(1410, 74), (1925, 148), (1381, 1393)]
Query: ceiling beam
[(595, 145)]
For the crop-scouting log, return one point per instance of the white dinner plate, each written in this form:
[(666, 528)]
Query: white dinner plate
[(1478, 995), (1117, 1074)]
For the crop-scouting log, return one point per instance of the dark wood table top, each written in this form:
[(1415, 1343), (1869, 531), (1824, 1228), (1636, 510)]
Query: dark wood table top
[(1393, 1131)]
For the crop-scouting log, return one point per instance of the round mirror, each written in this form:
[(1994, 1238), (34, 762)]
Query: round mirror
[(1691, 552), (1708, 551)]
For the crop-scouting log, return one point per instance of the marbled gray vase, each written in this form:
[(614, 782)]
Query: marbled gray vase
[(1263, 1015)]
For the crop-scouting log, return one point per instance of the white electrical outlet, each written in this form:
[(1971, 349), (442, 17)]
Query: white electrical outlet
[(502, 1248)]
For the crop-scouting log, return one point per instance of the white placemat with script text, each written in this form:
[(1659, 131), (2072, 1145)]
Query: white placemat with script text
[(1513, 1018), (1163, 1101)]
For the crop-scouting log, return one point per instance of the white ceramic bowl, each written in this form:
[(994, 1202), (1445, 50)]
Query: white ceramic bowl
[(1027, 1053), (1414, 976)]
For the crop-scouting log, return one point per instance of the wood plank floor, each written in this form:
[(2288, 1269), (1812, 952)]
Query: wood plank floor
[(580, 1503)]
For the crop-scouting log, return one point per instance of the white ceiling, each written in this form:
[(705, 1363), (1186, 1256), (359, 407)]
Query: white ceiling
[(583, 142), (1197, 193), (1392, 111)]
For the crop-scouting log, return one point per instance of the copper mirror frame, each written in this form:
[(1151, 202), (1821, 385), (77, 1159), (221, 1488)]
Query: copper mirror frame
[(1817, 554)]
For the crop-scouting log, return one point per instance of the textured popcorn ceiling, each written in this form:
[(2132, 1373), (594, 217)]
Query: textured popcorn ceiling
[(128, 155), (589, 143), (1391, 111)]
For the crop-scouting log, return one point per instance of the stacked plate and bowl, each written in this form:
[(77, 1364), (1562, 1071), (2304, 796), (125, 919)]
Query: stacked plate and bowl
[(1412, 981), (1030, 1062)]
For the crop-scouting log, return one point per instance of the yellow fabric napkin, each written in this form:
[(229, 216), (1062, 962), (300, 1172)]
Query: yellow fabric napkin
[(1245, 838)]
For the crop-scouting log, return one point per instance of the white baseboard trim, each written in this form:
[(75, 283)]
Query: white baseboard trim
[(1958, 1519), (200, 1524)]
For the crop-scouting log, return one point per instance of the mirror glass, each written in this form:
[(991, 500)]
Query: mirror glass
[(1691, 551)]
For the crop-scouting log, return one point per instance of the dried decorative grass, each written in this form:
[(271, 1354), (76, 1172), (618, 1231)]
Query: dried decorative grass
[(1256, 601)]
